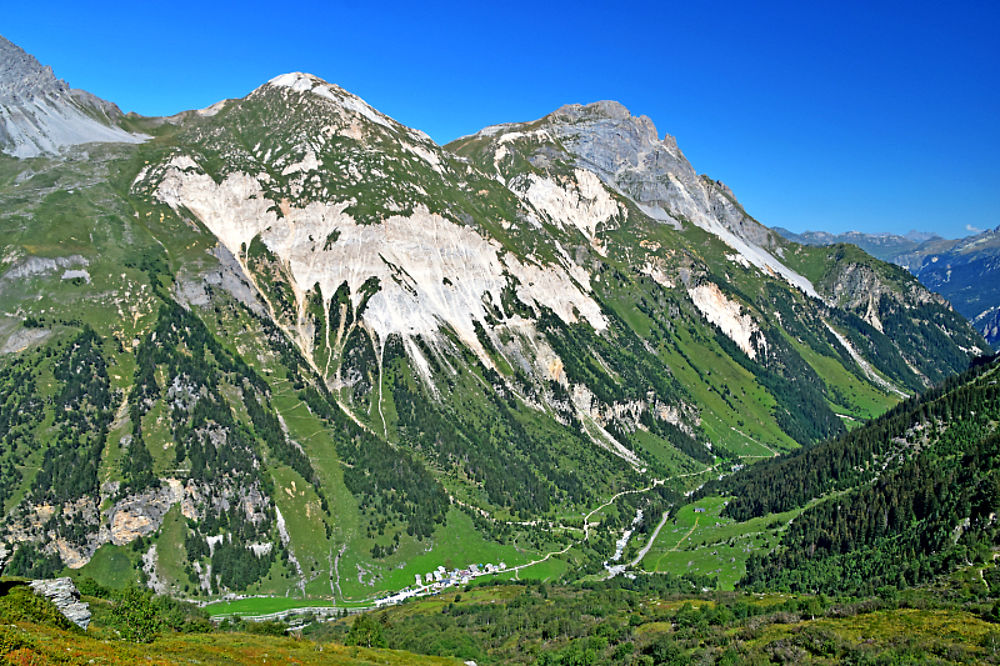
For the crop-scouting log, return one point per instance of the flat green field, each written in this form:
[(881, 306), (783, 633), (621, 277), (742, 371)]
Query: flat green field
[(705, 543), (264, 606)]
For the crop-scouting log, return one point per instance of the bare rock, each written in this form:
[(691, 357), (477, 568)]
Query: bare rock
[(63, 593)]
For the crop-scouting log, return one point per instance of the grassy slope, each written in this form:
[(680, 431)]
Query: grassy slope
[(56, 646), (779, 629), (709, 544)]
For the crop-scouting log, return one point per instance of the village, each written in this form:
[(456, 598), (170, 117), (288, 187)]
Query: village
[(434, 581)]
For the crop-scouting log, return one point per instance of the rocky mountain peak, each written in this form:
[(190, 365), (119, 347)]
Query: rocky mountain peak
[(40, 114), (22, 77), (309, 83), (613, 120)]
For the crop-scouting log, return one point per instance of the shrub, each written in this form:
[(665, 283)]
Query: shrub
[(89, 587), (268, 628), (366, 632), (21, 604), (134, 616), (12, 638)]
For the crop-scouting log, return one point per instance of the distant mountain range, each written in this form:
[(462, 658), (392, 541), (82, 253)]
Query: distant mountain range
[(966, 271)]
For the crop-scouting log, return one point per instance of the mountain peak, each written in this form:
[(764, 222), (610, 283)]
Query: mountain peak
[(609, 112), (603, 108), (302, 81), (310, 83), (22, 76), (41, 114)]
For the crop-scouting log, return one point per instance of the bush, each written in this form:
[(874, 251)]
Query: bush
[(21, 604), (366, 632), (181, 616), (268, 628), (664, 650), (89, 587), (134, 616)]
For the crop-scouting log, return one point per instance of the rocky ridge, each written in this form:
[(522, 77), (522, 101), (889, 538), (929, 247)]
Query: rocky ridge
[(965, 271), (40, 114)]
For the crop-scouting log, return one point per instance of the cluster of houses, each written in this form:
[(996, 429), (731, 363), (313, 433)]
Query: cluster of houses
[(435, 581)]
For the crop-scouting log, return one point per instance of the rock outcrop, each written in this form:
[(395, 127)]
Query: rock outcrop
[(63, 593), (41, 114)]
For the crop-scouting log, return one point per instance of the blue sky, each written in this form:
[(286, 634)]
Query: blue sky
[(879, 116)]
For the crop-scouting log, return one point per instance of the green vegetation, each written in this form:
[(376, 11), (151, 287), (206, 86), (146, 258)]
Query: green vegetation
[(211, 412), (657, 619), (132, 626), (897, 503), (699, 540), (255, 606)]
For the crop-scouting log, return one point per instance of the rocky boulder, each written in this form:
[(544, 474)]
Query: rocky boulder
[(63, 593)]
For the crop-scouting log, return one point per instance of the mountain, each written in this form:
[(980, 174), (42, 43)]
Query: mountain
[(41, 114), (966, 271), (291, 347), (900, 502), (884, 246)]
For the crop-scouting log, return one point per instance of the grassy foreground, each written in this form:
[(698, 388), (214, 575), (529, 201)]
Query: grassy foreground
[(46, 644), (655, 619)]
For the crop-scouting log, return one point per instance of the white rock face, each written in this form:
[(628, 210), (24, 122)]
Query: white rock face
[(308, 163), (725, 314), (431, 271), (63, 593), (582, 203), (627, 154)]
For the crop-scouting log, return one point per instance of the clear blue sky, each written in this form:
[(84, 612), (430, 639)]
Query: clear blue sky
[(820, 115)]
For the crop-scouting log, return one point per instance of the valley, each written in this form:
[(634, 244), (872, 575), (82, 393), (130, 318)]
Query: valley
[(285, 361)]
